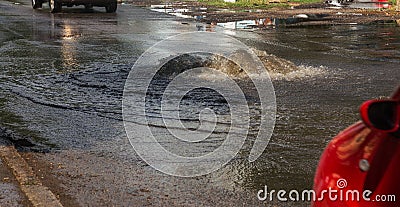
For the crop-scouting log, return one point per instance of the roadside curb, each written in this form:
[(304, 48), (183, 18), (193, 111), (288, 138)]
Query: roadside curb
[(38, 194)]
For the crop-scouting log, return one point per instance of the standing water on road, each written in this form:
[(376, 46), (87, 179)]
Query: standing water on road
[(62, 79)]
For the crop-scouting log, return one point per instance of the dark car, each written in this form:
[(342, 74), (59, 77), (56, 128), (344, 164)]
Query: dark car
[(55, 5)]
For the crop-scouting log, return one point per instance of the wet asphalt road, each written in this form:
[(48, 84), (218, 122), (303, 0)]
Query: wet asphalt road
[(63, 75), (62, 82)]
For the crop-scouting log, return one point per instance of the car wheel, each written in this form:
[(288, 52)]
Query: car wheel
[(112, 7), (36, 4), (55, 6)]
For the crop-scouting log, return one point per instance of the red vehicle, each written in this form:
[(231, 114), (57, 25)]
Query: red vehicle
[(361, 166)]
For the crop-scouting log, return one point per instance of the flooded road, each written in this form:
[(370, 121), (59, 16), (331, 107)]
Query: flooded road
[(62, 78)]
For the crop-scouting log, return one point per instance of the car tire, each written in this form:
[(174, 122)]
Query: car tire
[(112, 7), (55, 6), (36, 4)]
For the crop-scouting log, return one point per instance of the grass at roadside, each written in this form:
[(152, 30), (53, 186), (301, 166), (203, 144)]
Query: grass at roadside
[(254, 4), (393, 2)]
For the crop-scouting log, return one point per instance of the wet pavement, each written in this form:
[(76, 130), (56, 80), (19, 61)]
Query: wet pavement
[(62, 80), (10, 193), (323, 13)]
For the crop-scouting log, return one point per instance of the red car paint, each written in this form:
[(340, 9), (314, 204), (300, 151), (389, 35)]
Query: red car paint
[(340, 169)]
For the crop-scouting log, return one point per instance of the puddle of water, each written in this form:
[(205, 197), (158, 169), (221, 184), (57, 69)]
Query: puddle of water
[(249, 24), (181, 10), (360, 4), (370, 5), (245, 24), (198, 13)]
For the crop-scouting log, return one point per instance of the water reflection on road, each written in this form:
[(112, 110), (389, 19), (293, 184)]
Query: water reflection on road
[(64, 75)]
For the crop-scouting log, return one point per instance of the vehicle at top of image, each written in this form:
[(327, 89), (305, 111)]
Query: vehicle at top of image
[(360, 167), (56, 5)]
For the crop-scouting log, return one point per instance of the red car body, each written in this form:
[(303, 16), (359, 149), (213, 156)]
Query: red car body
[(361, 159)]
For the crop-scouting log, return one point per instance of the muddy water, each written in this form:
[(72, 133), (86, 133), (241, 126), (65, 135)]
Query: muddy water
[(62, 79), (350, 63)]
